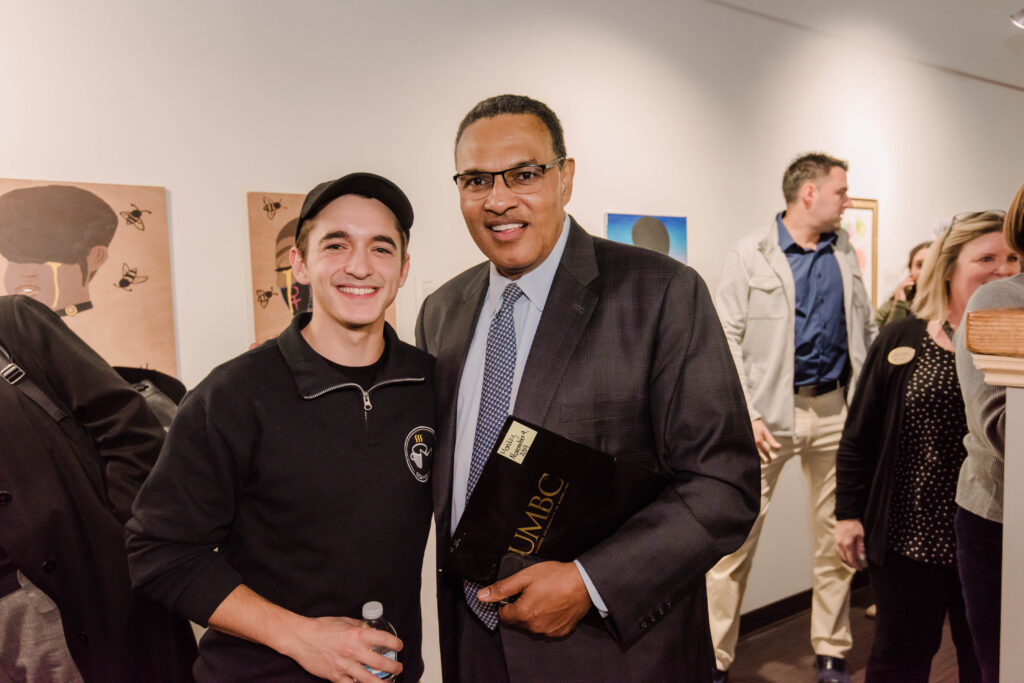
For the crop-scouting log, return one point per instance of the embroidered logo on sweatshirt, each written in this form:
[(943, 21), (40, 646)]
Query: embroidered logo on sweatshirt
[(419, 452)]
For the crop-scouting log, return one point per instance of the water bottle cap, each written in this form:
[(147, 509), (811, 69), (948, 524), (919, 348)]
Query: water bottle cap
[(373, 610)]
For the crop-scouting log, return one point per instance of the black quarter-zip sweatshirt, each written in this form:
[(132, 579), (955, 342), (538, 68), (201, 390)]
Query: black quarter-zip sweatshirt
[(282, 473)]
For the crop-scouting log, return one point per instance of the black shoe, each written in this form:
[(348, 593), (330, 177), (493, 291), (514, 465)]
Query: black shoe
[(720, 676), (832, 669)]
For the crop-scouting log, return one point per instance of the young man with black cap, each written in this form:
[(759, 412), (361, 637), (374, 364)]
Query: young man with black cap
[(294, 484)]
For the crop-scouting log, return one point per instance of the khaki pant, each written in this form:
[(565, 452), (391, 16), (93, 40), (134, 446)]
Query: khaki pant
[(818, 425), (32, 645)]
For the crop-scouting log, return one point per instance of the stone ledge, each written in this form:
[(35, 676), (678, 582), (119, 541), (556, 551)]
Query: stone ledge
[(1005, 371)]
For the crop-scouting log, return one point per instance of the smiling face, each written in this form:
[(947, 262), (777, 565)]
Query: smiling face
[(354, 263), (515, 231), (983, 259)]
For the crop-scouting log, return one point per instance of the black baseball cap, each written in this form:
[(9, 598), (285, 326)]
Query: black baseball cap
[(364, 184)]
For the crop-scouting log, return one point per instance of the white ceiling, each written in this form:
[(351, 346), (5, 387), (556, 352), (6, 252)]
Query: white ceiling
[(973, 37)]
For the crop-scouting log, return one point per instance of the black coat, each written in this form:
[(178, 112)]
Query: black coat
[(281, 473), (865, 461), (68, 493)]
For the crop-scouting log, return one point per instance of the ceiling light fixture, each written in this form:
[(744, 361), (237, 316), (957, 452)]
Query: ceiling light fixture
[(1018, 18)]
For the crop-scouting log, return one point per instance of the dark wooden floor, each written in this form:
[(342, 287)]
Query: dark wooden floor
[(781, 653)]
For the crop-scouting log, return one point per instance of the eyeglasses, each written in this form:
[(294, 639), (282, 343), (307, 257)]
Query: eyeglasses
[(522, 179), (967, 216), (992, 215)]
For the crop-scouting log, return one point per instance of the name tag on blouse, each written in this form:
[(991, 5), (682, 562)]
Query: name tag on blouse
[(901, 355)]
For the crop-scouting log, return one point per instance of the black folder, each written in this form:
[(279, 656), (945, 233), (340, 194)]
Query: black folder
[(542, 496)]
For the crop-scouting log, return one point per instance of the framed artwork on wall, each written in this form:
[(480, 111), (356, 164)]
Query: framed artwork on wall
[(664, 234), (99, 256), (861, 222)]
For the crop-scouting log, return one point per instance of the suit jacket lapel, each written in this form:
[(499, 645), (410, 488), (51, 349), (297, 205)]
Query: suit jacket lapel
[(451, 354), (566, 314)]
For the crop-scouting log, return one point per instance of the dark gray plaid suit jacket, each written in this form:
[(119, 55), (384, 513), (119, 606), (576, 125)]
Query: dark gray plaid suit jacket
[(629, 358)]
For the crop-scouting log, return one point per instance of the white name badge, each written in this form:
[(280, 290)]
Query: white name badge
[(901, 355)]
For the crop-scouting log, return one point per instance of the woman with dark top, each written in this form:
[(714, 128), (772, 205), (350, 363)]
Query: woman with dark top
[(900, 455), (979, 493), (897, 306)]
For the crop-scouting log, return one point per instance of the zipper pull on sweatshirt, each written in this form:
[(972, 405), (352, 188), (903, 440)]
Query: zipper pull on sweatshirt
[(366, 400)]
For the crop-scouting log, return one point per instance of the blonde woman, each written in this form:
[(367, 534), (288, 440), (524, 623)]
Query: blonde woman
[(900, 456)]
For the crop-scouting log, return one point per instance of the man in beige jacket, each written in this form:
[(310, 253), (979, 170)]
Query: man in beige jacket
[(799, 322)]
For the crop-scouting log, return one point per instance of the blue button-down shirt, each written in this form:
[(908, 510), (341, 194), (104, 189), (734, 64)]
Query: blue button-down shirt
[(821, 347)]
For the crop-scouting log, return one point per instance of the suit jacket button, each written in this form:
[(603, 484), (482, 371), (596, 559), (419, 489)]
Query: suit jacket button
[(48, 565), (5, 497)]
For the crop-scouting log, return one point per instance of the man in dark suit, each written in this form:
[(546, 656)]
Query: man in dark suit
[(611, 345)]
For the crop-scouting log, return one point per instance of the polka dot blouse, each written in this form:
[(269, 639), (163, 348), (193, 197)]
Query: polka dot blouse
[(931, 450)]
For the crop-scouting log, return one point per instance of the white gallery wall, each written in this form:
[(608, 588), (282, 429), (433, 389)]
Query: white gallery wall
[(680, 107)]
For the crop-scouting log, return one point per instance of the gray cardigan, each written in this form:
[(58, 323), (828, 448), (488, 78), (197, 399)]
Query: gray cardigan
[(980, 488)]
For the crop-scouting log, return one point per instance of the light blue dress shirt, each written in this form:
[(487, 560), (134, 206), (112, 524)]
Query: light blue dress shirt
[(527, 312)]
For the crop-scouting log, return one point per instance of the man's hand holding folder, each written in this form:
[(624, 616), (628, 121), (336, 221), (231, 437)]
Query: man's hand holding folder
[(542, 501), (548, 598)]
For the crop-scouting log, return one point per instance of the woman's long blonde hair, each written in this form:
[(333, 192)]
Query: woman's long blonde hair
[(932, 299), (1013, 228)]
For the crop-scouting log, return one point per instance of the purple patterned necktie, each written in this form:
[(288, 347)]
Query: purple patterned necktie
[(499, 367)]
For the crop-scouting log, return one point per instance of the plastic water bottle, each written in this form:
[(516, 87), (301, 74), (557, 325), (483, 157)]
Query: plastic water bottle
[(373, 617)]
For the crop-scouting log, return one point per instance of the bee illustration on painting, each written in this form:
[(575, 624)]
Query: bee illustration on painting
[(134, 217), (129, 276), (272, 207), (263, 296)]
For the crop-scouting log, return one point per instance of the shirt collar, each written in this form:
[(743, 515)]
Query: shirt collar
[(535, 284), (314, 375), (785, 239), (786, 242)]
